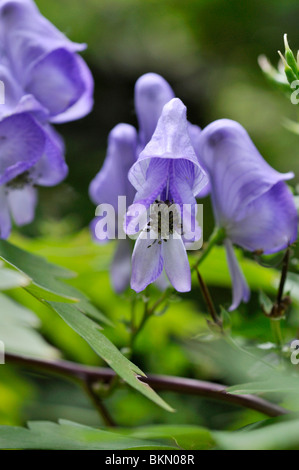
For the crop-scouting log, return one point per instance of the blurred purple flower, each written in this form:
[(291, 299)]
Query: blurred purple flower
[(110, 183), (45, 81), (166, 170), (44, 62), (250, 199)]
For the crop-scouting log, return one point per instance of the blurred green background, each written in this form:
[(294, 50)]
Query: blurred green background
[(206, 49)]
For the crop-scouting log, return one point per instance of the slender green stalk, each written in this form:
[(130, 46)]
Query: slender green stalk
[(277, 333), (98, 403), (281, 304), (209, 302), (135, 331), (148, 312)]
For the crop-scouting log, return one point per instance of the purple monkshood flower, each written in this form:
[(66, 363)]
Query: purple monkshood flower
[(251, 200), (44, 62), (167, 171), (45, 82), (152, 92)]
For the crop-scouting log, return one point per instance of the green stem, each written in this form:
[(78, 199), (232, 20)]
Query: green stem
[(284, 273), (140, 327), (99, 405), (148, 312), (276, 329), (209, 302)]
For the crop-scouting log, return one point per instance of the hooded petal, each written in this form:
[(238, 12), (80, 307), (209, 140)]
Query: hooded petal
[(85, 104), (44, 61), (27, 35), (51, 168), (169, 143), (16, 101), (154, 182), (5, 221), (22, 203), (237, 171), (55, 81), (185, 181), (12, 90), (176, 264), (240, 287), (112, 181), (28, 104), (152, 92), (120, 269), (22, 144), (147, 263), (270, 222)]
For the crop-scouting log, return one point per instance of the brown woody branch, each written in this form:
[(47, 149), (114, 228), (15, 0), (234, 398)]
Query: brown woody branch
[(89, 375)]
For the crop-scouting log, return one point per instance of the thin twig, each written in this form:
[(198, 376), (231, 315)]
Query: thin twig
[(208, 300), (98, 403), (284, 273), (157, 382)]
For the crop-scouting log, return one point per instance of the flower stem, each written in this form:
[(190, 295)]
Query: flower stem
[(208, 300), (284, 273), (277, 333), (148, 312), (99, 405)]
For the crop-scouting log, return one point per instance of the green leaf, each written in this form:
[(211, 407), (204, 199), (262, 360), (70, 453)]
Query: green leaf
[(10, 279), (279, 435), (277, 383), (45, 278), (186, 437), (18, 331), (89, 330), (265, 303), (226, 319), (70, 436)]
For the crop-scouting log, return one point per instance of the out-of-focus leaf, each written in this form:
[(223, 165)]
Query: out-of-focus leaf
[(70, 436), (278, 383), (265, 302), (18, 331), (89, 330), (10, 279), (14, 392), (279, 435), (186, 437), (45, 278)]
